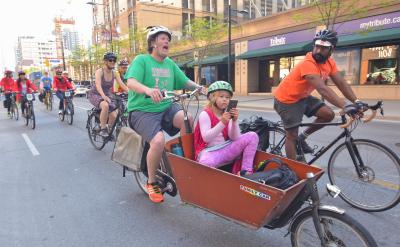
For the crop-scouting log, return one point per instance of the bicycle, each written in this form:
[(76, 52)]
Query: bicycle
[(93, 123), (68, 111), (313, 225), (372, 182), (14, 112), (48, 100), (30, 119)]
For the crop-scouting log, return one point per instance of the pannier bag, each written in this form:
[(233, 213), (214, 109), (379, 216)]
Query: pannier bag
[(282, 177), (128, 149)]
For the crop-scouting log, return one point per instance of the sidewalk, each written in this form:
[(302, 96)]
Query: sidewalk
[(266, 102)]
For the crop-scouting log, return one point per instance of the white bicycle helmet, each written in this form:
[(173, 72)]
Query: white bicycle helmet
[(154, 30)]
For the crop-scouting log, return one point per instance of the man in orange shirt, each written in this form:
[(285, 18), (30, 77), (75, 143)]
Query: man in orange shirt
[(293, 96)]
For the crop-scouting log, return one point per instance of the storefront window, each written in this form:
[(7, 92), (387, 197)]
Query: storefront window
[(379, 65), (208, 74), (348, 64), (287, 64)]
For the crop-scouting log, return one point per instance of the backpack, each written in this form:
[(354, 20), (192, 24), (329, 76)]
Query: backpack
[(282, 177)]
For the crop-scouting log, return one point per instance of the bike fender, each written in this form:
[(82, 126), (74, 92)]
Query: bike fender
[(307, 209)]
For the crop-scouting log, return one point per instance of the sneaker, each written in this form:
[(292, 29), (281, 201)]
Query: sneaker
[(60, 112), (154, 192), (305, 147)]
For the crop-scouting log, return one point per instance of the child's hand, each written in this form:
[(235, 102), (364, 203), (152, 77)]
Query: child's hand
[(226, 116), (234, 114)]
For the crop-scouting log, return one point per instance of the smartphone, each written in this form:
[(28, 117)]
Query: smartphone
[(232, 104)]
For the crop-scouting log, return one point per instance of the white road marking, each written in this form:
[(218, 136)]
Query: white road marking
[(30, 145)]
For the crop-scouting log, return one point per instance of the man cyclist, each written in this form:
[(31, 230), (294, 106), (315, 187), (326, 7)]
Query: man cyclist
[(45, 85), (149, 74), (7, 84), (293, 96), (122, 68)]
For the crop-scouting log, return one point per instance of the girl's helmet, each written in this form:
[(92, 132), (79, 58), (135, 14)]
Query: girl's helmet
[(220, 85), (21, 72)]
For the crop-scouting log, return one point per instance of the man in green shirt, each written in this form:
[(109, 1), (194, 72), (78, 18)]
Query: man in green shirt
[(149, 74)]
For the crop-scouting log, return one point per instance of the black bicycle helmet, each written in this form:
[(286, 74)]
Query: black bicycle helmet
[(109, 55), (327, 35)]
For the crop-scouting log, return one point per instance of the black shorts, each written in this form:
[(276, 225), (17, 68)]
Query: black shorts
[(292, 114), (148, 124)]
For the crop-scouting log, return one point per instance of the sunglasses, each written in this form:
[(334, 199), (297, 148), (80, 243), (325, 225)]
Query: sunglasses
[(112, 60)]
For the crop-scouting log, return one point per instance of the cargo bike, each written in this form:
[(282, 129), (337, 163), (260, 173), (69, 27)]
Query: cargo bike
[(252, 204)]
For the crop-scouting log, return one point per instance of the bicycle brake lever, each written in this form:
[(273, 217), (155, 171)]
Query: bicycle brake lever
[(381, 111)]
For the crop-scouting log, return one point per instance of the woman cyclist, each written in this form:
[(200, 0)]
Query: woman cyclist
[(60, 85), (23, 86), (100, 94)]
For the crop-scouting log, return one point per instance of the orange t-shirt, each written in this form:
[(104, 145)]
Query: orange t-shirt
[(294, 87)]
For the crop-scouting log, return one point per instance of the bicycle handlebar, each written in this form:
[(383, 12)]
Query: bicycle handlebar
[(373, 108), (167, 95)]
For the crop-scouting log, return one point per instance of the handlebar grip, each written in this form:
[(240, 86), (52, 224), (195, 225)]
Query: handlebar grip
[(347, 124), (370, 117)]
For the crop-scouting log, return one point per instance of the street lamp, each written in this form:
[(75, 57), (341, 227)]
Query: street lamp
[(230, 36), (109, 18)]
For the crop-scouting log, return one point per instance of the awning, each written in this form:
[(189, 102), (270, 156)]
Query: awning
[(183, 64), (370, 37), (212, 60), (278, 50)]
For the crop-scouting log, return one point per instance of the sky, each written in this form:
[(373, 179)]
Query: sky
[(35, 18)]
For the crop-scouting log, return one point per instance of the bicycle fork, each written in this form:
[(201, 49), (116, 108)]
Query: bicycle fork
[(355, 156)]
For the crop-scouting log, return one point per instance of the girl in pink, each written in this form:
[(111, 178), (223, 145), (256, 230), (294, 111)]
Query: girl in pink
[(217, 138)]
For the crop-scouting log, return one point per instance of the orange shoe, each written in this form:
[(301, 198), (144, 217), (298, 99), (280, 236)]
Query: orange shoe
[(154, 192)]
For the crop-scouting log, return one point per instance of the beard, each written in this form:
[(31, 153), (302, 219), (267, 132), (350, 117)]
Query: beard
[(320, 58)]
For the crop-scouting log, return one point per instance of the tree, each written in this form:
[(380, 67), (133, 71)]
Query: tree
[(203, 34)]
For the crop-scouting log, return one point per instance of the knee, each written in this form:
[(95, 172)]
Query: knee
[(291, 135), (327, 114), (158, 142), (104, 106), (252, 137)]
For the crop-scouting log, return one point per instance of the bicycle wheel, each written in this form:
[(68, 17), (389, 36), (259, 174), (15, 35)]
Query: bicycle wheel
[(378, 188), (11, 111), (93, 127), (69, 114), (15, 111), (27, 117), (339, 230), (51, 101), (32, 118), (272, 140)]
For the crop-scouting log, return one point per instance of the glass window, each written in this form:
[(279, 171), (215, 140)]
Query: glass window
[(209, 73), (348, 63), (380, 64)]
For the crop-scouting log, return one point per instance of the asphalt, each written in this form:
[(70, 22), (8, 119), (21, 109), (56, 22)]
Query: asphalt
[(265, 102)]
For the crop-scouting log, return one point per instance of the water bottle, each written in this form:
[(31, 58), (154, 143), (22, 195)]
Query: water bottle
[(177, 149)]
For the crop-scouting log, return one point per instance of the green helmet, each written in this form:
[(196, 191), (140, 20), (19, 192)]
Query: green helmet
[(220, 85)]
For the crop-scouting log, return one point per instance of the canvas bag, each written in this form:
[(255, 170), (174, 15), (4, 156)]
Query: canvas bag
[(128, 149)]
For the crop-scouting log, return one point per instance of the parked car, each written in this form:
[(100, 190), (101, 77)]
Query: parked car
[(81, 91)]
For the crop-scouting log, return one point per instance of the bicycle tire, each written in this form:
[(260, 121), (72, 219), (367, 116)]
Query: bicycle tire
[(12, 113), (142, 176), (51, 101), (70, 113), (272, 140), (27, 116), (381, 178), (16, 112), (97, 141), (303, 226), (32, 118)]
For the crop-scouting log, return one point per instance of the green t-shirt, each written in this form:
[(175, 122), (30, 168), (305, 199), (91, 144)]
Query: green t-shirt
[(153, 74)]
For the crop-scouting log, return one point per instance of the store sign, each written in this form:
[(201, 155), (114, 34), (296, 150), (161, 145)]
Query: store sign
[(377, 22), (380, 52), (283, 39)]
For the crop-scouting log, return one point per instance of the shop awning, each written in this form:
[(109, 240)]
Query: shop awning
[(183, 64), (277, 50), (212, 60), (368, 38)]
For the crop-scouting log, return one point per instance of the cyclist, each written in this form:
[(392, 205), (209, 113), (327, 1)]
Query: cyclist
[(23, 86), (45, 85), (66, 75), (149, 74), (293, 96), (60, 85), (7, 84), (100, 94), (122, 68)]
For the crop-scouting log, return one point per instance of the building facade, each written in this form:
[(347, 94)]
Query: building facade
[(33, 52)]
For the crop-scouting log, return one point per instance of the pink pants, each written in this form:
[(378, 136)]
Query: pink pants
[(245, 146)]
